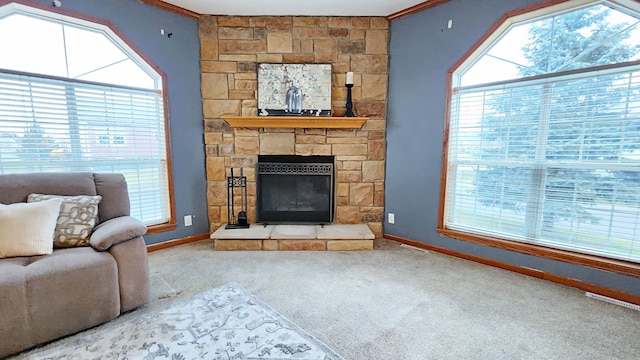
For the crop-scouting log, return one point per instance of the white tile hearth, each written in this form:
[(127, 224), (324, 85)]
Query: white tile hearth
[(295, 237), (294, 232), (255, 231)]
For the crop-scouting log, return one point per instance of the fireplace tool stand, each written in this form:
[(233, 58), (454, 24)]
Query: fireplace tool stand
[(234, 182)]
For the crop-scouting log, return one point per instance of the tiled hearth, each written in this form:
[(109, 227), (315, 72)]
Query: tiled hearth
[(336, 237)]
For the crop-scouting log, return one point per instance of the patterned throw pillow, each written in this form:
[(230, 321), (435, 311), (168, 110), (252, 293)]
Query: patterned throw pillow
[(78, 216)]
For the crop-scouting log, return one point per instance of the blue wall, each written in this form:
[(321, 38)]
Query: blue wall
[(422, 50), (179, 58)]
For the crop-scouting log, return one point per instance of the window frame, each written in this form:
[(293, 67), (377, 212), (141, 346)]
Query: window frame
[(142, 60), (452, 78)]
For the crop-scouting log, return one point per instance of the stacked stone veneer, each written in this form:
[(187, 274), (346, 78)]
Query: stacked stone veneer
[(231, 48)]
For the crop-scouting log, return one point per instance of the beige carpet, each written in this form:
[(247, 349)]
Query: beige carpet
[(396, 303)]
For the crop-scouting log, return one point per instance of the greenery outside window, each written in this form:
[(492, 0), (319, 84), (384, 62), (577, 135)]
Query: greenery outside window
[(543, 140), (76, 97)]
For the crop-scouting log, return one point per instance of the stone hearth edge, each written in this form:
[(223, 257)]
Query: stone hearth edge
[(334, 237)]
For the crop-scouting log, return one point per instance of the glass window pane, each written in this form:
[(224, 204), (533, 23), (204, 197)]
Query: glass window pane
[(44, 37), (125, 73), (595, 211), (578, 39), (89, 51), (71, 51), (490, 199), (101, 124), (551, 160)]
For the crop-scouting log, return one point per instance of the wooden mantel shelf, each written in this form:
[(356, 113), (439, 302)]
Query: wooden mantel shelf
[(295, 122)]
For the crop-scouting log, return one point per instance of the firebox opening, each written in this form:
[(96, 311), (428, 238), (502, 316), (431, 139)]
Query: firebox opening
[(294, 189)]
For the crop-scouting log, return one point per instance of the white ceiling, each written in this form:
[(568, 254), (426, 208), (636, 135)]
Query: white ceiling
[(296, 7)]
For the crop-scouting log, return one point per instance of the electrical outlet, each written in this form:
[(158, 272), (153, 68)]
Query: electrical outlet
[(187, 220), (391, 218), (449, 23)]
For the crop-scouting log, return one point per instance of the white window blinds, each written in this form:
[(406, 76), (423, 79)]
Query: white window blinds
[(61, 125), (553, 161)]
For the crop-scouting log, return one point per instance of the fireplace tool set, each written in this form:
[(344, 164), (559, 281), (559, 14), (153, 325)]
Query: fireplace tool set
[(233, 182)]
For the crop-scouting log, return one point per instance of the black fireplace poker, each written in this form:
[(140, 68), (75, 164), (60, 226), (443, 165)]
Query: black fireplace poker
[(233, 182)]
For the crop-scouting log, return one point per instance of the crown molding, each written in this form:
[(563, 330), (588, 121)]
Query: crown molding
[(170, 7), (416, 8)]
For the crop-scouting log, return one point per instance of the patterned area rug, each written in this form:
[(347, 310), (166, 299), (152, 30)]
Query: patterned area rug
[(224, 323)]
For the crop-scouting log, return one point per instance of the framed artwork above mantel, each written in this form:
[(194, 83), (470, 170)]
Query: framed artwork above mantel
[(294, 89)]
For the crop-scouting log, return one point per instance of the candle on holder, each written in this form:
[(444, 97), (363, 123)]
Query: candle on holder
[(349, 80), (349, 84)]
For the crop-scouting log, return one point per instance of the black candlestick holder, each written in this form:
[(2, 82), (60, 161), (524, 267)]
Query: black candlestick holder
[(349, 105)]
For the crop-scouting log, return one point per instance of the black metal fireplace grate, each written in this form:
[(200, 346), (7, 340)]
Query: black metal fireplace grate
[(295, 189), (294, 169)]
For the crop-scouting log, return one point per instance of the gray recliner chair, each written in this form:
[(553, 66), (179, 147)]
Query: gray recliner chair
[(46, 297)]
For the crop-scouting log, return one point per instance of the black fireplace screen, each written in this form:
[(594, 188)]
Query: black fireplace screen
[(295, 189)]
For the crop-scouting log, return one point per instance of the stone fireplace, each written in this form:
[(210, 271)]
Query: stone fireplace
[(231, 48), (295, 189)]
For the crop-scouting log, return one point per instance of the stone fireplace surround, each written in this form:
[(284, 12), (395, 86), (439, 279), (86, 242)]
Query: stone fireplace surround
[(231, 48)]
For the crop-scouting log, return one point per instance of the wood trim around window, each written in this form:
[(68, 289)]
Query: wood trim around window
[(158, 228), (172, 223), (592, 261)]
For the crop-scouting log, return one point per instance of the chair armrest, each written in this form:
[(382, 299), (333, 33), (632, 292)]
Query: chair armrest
[(115, 231)]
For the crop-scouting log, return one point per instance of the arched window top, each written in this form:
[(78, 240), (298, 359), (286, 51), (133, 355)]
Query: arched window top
[(75, 97), (548, 41), (542, 143), (69, 47)]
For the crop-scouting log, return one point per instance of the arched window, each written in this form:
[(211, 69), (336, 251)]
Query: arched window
[(543, 139), (76, 97)]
